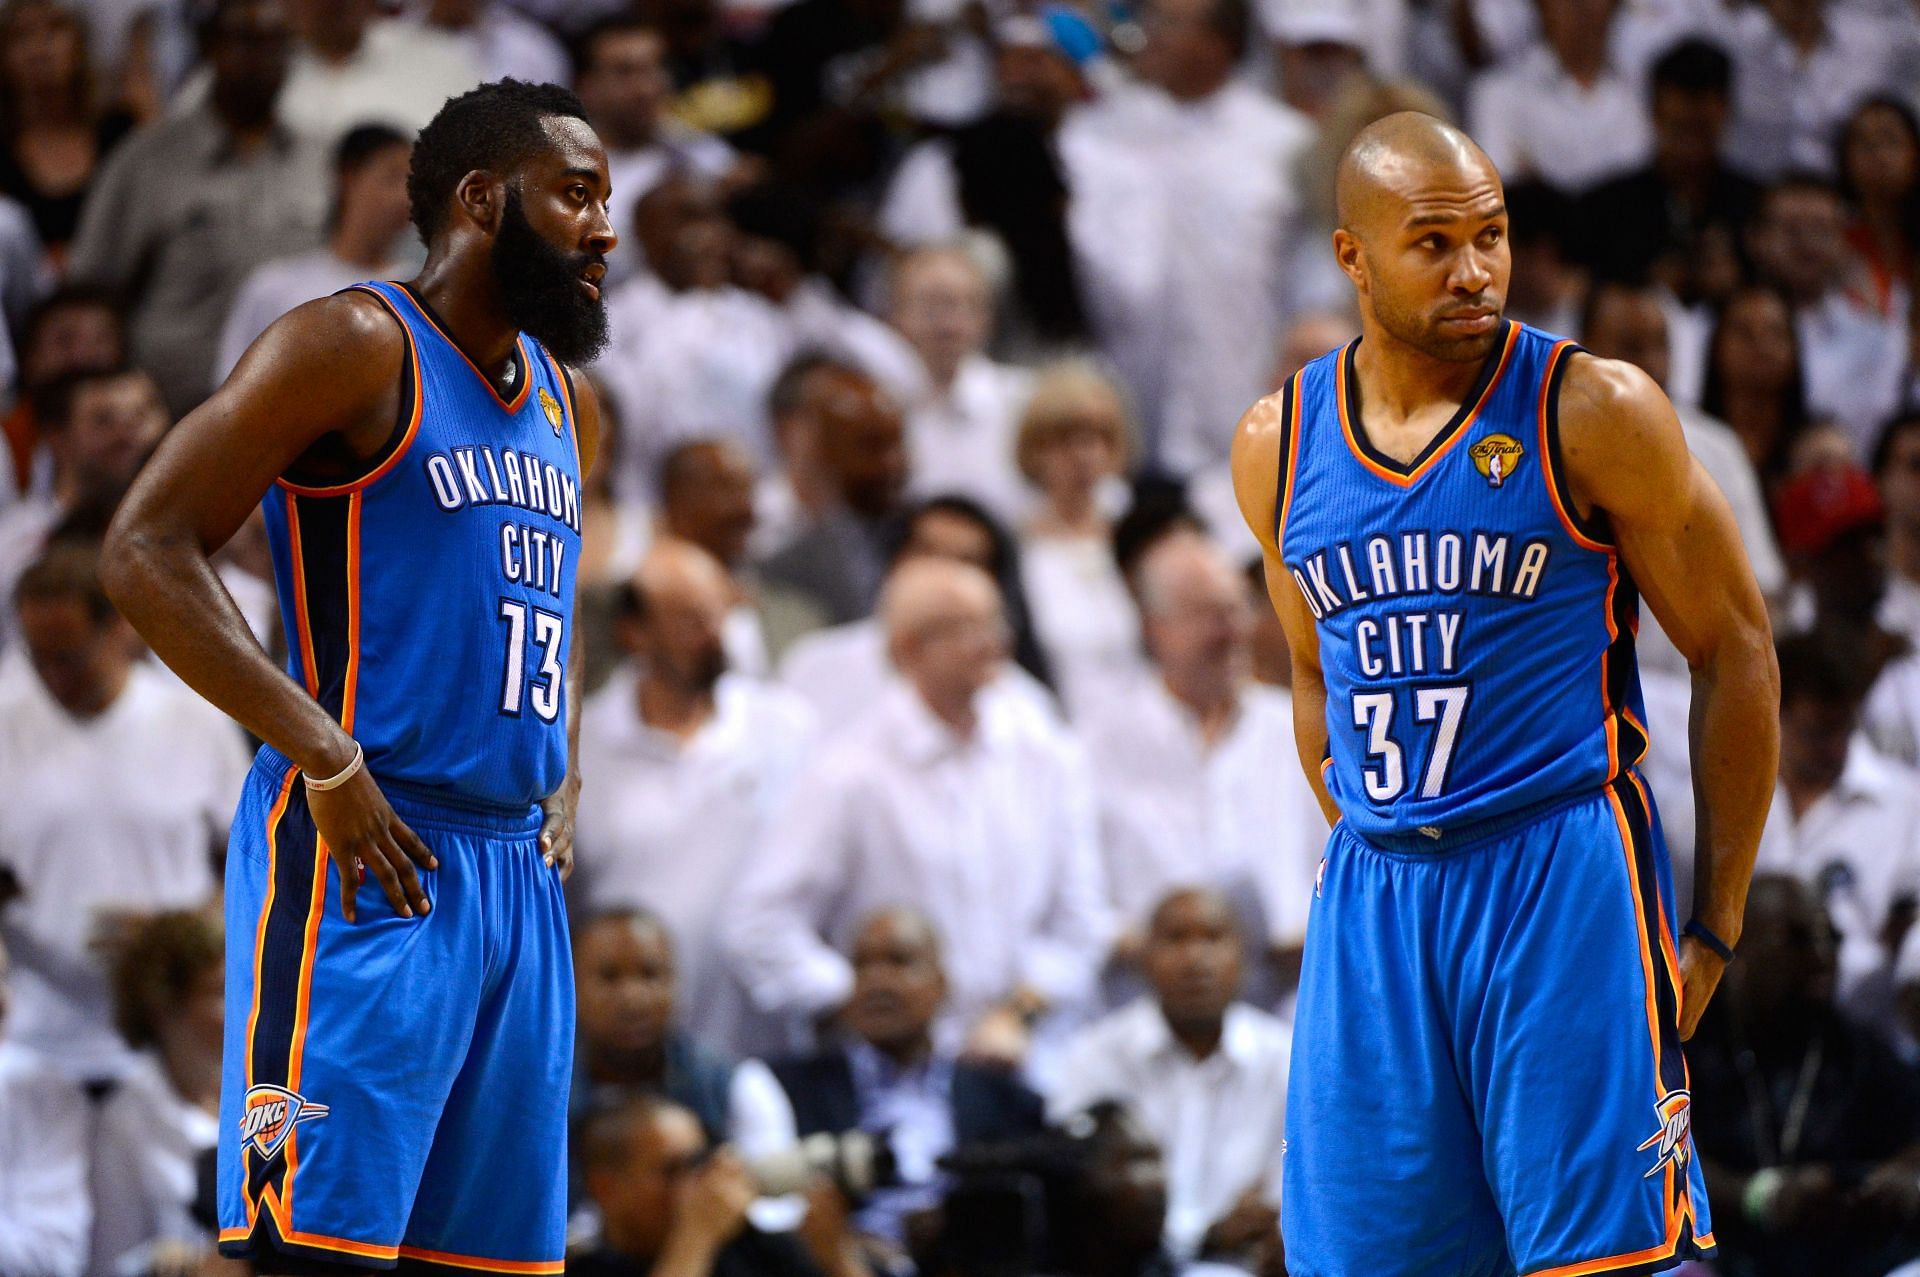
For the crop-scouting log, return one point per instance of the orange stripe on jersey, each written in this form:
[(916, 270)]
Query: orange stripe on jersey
[(301, 619), (1561, 351), (484, 1265), (1454, 434), (1292, 462), (1640, 938), (351, 688), (303, 1001), (1613, 1263), (526, 365), (274, 814), (407, 436)]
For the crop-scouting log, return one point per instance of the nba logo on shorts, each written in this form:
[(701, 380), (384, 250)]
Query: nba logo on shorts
[(270, 1114)]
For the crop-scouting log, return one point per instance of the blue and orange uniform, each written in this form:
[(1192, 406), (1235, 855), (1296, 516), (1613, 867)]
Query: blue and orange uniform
[(1488, 1076), (397, 1088)]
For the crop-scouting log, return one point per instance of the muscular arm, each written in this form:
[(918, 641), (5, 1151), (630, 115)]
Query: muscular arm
[(329, 367), (556, 830), (1626, 457), (1256, 485)]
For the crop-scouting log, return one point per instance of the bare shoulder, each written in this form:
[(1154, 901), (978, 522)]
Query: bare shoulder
[(1256, 464), (1610, 409), (586, 415), (341, 347)]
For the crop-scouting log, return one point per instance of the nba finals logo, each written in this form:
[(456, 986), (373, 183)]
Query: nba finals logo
[(1496, 457), (1676, 1123), (551, 406), (269, 1115)]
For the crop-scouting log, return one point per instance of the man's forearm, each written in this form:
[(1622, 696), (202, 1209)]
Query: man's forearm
[(169, 592), (1735, 729), (1310, 737)]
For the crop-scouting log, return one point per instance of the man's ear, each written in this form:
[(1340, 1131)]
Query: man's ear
[(484, 198), (1347, 250)]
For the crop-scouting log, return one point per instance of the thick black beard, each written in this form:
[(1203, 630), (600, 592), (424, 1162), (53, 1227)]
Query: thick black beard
[(540, 285)]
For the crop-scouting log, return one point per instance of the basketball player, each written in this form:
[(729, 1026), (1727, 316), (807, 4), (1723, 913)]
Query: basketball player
[(397, 1060), (1459, 515)]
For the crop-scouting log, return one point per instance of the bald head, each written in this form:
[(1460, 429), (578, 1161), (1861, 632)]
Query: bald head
[(1423, 237), (945, 628), (927, 592), (676, 572), (675, 615)]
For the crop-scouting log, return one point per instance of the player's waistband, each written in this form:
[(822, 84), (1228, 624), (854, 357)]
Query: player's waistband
[(429, 804), (1432, 840)]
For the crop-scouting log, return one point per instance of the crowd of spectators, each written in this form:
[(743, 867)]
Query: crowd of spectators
[(941, 779)]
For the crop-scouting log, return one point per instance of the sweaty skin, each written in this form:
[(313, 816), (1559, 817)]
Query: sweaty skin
[(1423, 238), (331, 368)]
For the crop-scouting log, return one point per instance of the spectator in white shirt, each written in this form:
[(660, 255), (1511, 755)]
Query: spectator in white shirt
[(1755, 379), (354, 66), (164, 1117), (960, 425), (499, 41), (1844, 819), (706, 497), (624, 82), (1802, 66), (1183, 202), (1627, 321), (972, 808), (1852, 353), (99, 429), (76, 328), (1073, 448), (1206, 1073), (116, 784), (1561, 113), (370, 215), (691, 763), (843, 670), (1184, 764), (1896, 469), (44, 1208)]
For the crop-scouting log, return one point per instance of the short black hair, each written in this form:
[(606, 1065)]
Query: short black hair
[(1693, 66), (495, 127), (789, 389), (1900, 423), (361, 143)]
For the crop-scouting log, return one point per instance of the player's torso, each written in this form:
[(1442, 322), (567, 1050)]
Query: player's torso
[(1476, 641), (429, 606)]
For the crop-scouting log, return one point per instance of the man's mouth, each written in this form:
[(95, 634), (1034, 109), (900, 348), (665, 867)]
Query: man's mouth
[(590, 278), (1472, 321)]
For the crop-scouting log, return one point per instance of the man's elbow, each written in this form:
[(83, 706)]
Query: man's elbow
[(1742, 653), (126, 559)]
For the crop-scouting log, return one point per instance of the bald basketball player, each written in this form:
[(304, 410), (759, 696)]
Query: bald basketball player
[(1460, 515)]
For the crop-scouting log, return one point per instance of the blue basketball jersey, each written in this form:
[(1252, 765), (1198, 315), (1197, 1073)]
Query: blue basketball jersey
[(428, 606), (1476, 631)]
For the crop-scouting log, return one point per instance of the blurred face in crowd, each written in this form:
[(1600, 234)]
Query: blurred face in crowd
[(1881, 154), (1787, 966), (1192, 960), (82, 658), (708, 499), (1184, 53), (373, 196), (42, 49), (1080, 447), (1313, 74), (1195, 619), (191, 1028), (549, 253), (1755, 352), (1814, 734), (249, 48), (942, 306), (684, 233), (1272, 659), (333, 27), (898, 985), (72, 338), (1424, 238), (1628, 324), (1849, 577), (625, 983), (113, 424), (1576, 30), (625, 86), (680, 639), (1800, 240), (636, 1190), (1899, 477), (946, 630), (1037, 82), (1687, 127), (1308, 338), (766, 266), (863, 445)]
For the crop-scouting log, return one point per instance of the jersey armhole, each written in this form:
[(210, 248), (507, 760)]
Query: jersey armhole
[(405, 426), (1590, 531), (564, 376), (1289, 458)]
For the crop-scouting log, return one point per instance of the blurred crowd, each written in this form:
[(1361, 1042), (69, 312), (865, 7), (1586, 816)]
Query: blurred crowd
[(940, 776)]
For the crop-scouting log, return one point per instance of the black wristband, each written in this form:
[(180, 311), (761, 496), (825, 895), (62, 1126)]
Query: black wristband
[(1698, 930)]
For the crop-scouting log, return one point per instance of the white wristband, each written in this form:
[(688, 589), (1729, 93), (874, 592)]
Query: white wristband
[(346, 774)]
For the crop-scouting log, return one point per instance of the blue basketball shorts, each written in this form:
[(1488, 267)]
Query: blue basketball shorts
[(394, 1088), (1487, 1076)]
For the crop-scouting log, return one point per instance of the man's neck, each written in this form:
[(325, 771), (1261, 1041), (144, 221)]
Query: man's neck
[(1211, 700), (1400, 380), (942, 375), (625, 1068), (957, 712), (466, 299), (1199, 1038), (911, 1053), (667, 705), (1802, 793), (1689, 180)]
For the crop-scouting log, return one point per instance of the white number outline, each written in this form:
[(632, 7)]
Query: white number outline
[(1373, 714), (545, 689)]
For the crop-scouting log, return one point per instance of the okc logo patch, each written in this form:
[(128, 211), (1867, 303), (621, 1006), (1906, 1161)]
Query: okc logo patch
[(550, 406), (1496, 457), (269, 1115), (1676, 1125)]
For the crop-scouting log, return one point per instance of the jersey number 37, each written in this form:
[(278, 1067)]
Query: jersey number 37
[(1385, 772)]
